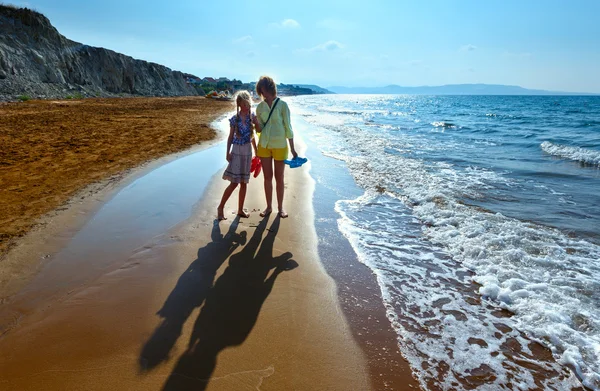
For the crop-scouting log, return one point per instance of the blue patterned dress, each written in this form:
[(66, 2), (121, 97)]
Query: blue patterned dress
[(238, 169)]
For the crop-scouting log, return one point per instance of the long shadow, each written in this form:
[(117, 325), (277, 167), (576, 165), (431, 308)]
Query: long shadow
[(231, 308), (189, 293)]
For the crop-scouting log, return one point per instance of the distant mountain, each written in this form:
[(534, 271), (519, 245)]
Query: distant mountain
[(450, 89), (315, 88)]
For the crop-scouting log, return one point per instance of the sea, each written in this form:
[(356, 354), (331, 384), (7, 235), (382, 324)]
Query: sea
[(480, 217)]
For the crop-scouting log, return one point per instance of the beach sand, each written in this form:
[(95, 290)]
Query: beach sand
[(56, 153), (244, 304), (53, 149), (227, 308)]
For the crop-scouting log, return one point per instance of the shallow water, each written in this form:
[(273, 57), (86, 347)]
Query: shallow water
[(472, 205), (144, 209)]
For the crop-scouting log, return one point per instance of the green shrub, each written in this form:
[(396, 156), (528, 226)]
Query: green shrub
[(77, 95), (23, 98)]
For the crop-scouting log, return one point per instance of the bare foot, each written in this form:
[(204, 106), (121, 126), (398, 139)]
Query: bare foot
[(220, 214), (266, 212), (283, 214), (243, 214)]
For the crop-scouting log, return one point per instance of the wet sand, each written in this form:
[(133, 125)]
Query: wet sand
[(208, 306), (231, 306)]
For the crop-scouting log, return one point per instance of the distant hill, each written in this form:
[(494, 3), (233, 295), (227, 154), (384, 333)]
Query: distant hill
[(315, 88), (450, 89)]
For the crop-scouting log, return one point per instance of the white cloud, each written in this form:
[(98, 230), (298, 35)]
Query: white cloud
[(244, 39), (328, 46), (290, 23), (468, 48), (287, 24)]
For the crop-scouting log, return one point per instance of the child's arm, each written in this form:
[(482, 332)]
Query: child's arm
[(229, 142)]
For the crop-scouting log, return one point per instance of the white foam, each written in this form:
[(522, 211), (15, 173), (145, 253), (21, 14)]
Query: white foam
[(586, 156), (427, 296), (442, 124)]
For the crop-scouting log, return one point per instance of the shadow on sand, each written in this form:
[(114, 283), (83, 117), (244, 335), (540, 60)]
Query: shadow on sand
[(189, 293), (231, 305)]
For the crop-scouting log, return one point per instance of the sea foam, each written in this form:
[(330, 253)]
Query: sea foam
[(578, 154)]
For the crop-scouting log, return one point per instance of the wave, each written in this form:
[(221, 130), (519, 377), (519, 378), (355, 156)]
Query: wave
[(578, 154), (440, 306), (442, 124)]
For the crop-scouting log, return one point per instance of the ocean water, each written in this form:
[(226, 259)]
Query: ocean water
[(480, 216)]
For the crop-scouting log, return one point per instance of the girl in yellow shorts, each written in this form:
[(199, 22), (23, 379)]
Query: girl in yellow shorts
[(272, 122)]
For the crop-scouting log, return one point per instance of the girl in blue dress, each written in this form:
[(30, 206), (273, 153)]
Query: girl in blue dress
[(239, 153)]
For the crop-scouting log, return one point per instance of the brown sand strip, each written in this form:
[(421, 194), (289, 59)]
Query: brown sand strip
[(53, 149), (238, 306)]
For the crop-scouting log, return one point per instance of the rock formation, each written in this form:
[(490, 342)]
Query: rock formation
[(36, 61)]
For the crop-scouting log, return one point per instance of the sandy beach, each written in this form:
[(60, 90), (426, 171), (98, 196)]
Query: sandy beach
[(126, 300), (59, 153), (443, 228), (53, 149)]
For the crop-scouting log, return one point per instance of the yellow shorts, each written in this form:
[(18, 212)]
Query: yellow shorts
[(276, 153)]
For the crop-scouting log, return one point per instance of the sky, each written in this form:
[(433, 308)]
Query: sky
[(552, 45)]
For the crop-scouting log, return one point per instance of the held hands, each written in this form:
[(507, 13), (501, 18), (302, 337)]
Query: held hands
[(256, 123), (294, 154)]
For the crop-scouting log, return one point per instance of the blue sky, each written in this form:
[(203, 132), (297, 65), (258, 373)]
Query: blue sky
[(549, 44)]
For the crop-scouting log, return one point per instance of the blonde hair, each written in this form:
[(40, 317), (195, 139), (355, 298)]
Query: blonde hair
[(266, 84), (242, 96)]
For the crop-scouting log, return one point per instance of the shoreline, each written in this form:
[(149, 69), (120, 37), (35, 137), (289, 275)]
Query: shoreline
[(359, 294), (173, 246), (302, 312)]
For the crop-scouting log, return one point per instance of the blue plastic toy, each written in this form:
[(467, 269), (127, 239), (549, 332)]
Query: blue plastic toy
[(296, 162)]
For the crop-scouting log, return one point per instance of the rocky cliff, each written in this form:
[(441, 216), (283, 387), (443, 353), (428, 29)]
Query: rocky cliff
[(38, 62)]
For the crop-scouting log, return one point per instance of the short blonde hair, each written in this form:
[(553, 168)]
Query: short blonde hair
[(266, 84)]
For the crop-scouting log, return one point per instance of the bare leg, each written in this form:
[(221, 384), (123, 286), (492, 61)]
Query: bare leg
[(267, 169), (241, 212), (279, 171), (226, 195)]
